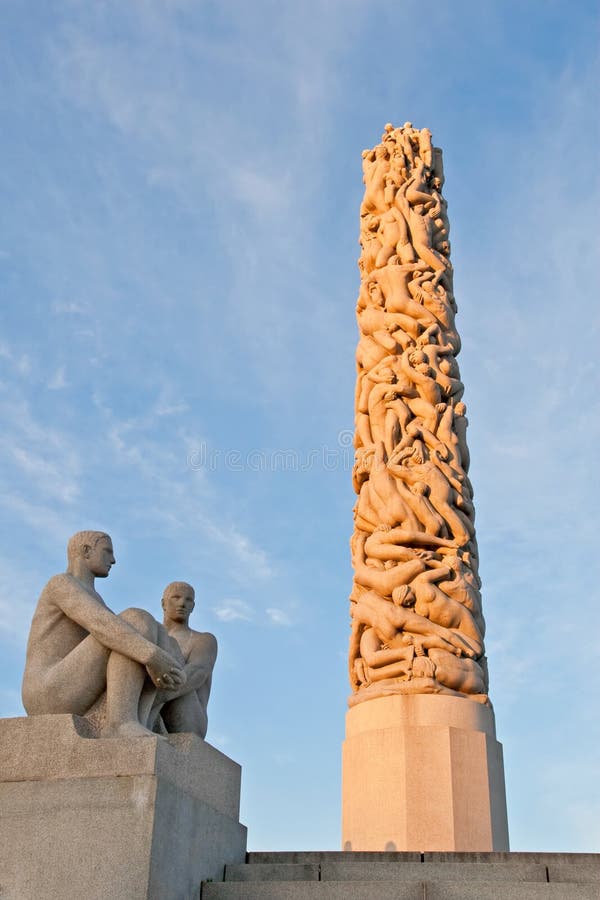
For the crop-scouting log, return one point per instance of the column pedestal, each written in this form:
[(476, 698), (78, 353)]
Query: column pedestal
[(129, 819), (422, 772)]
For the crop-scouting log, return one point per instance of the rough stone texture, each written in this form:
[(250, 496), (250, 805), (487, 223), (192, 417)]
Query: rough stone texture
[(495, 891), (423, 712), (310, 890), (430, 876), (39, 748), (422, 871), (386, 890), (321, 856), (422, 773), (128, 819), (568, 872), (273, 872), (574, 859)]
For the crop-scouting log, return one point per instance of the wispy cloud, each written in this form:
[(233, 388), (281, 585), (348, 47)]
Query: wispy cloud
[(20, 362), (58, 381), (19, 590), (164, 407), (68, 308), (262, 192), (243, 548), (232, 610), (44, 455), (278, 617), (185, 506)]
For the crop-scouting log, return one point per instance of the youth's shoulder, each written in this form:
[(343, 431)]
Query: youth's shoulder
[(205, 636), (204, 639)]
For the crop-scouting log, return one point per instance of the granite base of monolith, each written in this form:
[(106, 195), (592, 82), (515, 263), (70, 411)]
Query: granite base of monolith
[(422, 772), (131, 819)]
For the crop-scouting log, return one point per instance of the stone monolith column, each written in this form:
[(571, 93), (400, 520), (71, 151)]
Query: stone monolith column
[(422, 769)]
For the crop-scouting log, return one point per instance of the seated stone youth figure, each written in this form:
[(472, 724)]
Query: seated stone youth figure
[(184, 709), (78, 648)]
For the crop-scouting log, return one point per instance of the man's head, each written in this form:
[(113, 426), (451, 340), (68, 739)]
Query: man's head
[(376, 294), (95, 549), (178, 601), (387, 375), (403, 596), (364, 459), (424, 369)]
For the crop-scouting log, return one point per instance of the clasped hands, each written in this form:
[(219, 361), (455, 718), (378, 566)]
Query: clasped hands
[(165, 672)]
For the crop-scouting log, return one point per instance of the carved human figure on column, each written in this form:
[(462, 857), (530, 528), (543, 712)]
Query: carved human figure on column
[(414, 549)]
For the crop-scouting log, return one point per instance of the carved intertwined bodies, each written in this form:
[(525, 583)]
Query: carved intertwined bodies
[(416, 607)]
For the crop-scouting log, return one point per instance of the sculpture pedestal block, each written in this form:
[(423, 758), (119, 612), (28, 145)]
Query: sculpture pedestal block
[(128, 819), (422, 772)]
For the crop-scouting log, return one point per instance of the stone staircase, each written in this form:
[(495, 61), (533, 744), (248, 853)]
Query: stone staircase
[(409, 876)]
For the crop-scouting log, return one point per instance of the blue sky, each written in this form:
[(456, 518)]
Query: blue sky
[(181, 183)]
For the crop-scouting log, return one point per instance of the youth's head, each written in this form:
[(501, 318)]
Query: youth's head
[(178, 601)]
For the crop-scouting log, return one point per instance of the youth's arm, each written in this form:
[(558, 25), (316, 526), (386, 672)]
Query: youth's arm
[(199, 666), (201, 661)]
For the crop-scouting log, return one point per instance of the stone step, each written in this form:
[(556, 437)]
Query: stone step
[(387, 871), (389, 890), (340, 875), (274, 872), (510, 871), (319, 856)]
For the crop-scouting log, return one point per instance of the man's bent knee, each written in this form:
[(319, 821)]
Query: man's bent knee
[(141, 620)]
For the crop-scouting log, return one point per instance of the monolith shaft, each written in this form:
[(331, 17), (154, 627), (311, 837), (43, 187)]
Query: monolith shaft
[(422, 767)]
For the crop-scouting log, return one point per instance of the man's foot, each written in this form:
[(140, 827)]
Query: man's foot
[(127, 730)]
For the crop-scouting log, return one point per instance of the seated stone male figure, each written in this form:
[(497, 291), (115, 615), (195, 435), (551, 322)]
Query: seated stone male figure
[(78, 648), (184, 709)]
